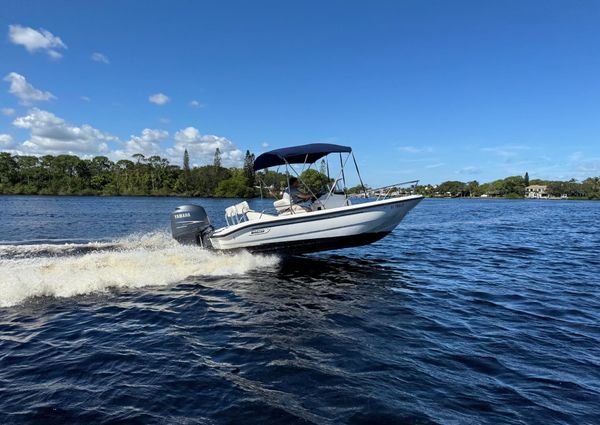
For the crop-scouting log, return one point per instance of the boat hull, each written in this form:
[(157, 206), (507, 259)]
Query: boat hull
[(317, 231)]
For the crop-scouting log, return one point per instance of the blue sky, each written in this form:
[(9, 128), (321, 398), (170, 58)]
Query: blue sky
[(434, 90)]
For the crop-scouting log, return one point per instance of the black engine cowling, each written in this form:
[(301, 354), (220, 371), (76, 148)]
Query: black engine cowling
[(190, 225)]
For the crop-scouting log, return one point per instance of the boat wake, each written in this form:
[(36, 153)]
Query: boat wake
[(135, 261)]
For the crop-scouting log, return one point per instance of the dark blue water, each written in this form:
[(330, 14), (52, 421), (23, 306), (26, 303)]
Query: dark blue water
[(472, 311)]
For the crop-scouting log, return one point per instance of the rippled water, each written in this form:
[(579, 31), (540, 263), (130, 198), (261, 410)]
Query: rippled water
[(472, 311)]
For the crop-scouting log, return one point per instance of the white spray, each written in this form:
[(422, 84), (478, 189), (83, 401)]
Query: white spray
[(133, 262)]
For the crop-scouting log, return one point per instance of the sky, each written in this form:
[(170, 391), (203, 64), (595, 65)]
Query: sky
[(423, 89)]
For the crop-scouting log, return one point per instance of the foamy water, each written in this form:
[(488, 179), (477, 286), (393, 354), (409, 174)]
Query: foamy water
[(133, 262)]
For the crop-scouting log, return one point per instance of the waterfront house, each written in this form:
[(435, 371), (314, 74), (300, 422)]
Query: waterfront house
[(536, 191)]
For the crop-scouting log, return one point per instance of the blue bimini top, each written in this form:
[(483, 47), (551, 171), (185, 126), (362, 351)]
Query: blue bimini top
[(297, 155)]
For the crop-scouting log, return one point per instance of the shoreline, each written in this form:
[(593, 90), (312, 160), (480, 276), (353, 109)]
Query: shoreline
[(87, 195)]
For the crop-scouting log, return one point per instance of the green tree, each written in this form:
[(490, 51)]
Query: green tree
[(138, 157), (186, 170), (315, 181), (124, 176), (234, 187), (271, 182), (591, 187), (83, 173), (473, 189), (205, 179), (27, 165), (8, 171), (526, 179), (217, 158), (357, 189), (452, 188), (100, 164), (249, 169), (513, 186)]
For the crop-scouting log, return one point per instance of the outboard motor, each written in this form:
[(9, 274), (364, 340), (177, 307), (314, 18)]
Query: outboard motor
[(190, 225)]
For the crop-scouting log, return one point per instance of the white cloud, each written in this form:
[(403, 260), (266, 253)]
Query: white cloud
[(53, 135), (85, 99), (506, 151), (195, 104), (148, 144), (34, 40), (589, 168), (54, 54), (50, 134), (264, 145), (99, 57), (469, 170), (412, 149), (164, 120), (6, 141), (576, 156), (28, 94), (159, 98), (201, 148), (582, 165), (436, 165), (8, 111)]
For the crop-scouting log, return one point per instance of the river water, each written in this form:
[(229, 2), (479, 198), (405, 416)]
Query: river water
[(472, 311)]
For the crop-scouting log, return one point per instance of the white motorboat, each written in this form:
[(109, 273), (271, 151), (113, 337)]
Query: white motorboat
[(333, 220)]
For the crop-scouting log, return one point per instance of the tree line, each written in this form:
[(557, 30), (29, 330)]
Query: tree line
[(514, 187), (141, 176), (155, 176)]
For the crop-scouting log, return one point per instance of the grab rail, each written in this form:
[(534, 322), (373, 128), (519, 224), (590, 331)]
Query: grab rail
[(385, 191)]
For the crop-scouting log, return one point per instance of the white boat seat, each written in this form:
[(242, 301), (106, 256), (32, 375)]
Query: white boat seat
[(241, 212), (237, 209), (285, 206), (255, 215), (237, 213), (281, 204), (295, 209)]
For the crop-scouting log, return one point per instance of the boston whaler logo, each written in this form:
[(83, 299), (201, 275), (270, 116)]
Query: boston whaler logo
[(260, 231)]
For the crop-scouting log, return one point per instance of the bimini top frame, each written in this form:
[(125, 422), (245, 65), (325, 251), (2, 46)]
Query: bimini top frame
[(306, 154)]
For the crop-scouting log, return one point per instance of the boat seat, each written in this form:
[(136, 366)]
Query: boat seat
[(237, 213), (295, 209), (285, 206), (255, 215)]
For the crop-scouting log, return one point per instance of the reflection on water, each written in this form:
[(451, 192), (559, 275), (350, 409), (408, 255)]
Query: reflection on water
[(334, 267)]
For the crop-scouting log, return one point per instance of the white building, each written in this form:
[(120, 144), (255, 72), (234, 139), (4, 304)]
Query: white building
[(536, 191)]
